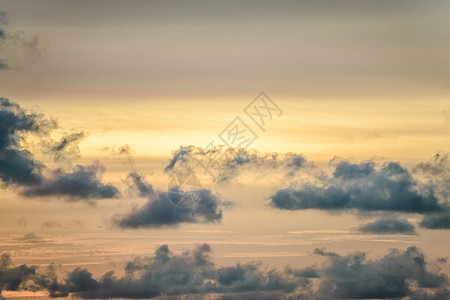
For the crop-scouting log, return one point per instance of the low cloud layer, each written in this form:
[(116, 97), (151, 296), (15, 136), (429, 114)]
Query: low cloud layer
[(19, 168), (226, 164), (403, 274), (388, 226)]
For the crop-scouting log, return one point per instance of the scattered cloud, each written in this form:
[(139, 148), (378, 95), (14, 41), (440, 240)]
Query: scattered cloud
[(226, 164)]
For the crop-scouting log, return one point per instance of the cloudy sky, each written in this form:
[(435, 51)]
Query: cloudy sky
[(178, 143)]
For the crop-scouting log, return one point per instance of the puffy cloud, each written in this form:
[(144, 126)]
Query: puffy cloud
[(390, 225), (161, 210), (363, 187), (226, 164)]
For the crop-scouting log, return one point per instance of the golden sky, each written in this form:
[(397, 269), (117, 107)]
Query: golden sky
[(365, 81)]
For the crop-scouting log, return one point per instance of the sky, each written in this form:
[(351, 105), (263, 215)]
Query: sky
[(178, 143)]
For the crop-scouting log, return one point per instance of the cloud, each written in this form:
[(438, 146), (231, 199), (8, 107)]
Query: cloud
[(364, 187), (4, 65), (388, 226), (12, 278), (399, 274), (81, 183), (17, 165), (161, 210), (19, 168), (226, 164), (67, 147), (392, 276), (139, 185), (18, 48), (436, 221)]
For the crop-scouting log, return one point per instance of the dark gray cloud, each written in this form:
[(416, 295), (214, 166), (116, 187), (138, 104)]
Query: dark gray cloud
[(160, 210), (20, 169), (364, 187), (17, 166), (226, 164), (404, 274), (390, 225), (81, 183), (436, 221), (12, 278)]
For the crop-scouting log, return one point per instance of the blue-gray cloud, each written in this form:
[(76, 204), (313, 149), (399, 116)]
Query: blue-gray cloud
[(398, 274), (81, 183), (364, 187), (390, 225), (19, 168), (161, 210), (436, 221)]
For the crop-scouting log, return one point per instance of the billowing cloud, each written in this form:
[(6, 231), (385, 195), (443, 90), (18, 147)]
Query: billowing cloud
[(164, 209), (404, 274), (20, 169), (390, 225), (364, 187)]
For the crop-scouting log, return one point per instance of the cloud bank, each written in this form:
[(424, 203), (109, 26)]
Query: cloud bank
[(401, 274)]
